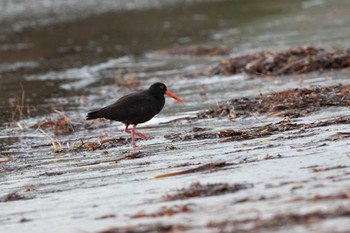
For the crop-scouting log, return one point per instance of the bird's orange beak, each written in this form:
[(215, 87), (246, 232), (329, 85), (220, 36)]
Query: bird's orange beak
[(169, 93)]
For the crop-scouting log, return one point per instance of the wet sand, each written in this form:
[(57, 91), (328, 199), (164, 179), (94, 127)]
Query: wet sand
[(235, 158)]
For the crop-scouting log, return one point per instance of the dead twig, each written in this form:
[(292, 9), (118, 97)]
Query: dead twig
[(204, 167)]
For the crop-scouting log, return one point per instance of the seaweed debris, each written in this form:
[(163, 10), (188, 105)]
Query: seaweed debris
[(148, 228), (5, 159), (164, 211), (197, 189), (106, 216), (203, 50), (14, 196), (126, 156), (60, 126), (292, 103), (208, 166), (258, 132), (259, 224), (104, 144), (293, 61)]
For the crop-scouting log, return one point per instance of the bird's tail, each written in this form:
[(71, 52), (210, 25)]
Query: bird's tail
[(92, 115)]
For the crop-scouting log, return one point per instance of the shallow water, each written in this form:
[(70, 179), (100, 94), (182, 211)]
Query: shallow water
[(76, 189), (63, 46)]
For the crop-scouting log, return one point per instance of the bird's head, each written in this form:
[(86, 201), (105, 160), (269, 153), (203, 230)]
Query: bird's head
[(161, 89)]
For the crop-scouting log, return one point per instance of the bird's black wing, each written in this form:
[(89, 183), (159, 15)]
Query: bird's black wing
[(133, 109)]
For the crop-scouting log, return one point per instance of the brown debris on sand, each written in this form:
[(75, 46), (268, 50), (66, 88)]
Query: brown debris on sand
[(292, 61), (127, 156), (14, 196), (291, 103), (60, 126), (5, 159), (200, 190), (270, 129), (209, 51), (103, 144), (276, 222), (205, 167), (164, 211), (148, 228), (226, 135)]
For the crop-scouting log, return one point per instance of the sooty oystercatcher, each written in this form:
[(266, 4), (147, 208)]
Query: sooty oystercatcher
[(136, 108)]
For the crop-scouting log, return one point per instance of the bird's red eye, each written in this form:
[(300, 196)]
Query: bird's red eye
[(161, 87)]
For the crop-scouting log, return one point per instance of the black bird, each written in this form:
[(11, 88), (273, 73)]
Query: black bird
[(136, 108)]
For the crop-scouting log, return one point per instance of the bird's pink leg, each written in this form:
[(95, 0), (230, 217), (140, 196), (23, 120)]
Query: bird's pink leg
[(133, 137), (142, 136), (133, 133), (126, 130)]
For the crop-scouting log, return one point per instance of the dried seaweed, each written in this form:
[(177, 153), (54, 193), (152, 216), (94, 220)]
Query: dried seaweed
[(60, 126), (103, 144), (292, 103), (208, 166), (323, 169), (22, 220), (164, 211), (148, 228), (345, 195), (106, 216), (5, 159), (198, 190), (127, 156), (292, 61), (258, 132), (209, 51), (51, 174), (14, 196), (281, 220)]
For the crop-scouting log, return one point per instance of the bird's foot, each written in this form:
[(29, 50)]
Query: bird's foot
[(136, 149), (142, 136)]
